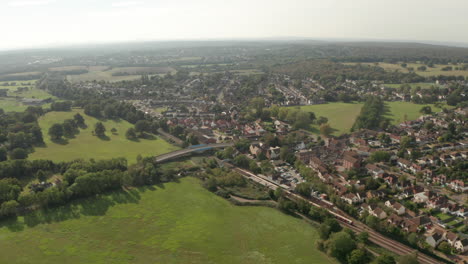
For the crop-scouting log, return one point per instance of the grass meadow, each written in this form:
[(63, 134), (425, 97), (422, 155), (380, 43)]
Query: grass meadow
[(171, 223), (341, 116), (85, 145)]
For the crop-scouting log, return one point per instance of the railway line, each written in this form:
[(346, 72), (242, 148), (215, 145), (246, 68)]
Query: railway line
[(344, 220)]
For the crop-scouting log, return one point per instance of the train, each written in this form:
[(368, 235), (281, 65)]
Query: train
[(341, 218)]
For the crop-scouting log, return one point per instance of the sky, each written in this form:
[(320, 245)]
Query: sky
[(42, 23)]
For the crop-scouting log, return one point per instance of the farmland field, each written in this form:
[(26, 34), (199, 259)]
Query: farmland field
[(435, 71), (87, 146), (103, 73), (174, 223)]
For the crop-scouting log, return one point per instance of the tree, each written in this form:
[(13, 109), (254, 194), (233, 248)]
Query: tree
[(340, 245), (9, 208), (358, 256), (100, 129), (380, 156), (41, 176), (445, 247), (325, 130), (322, 120), (3, 154), (384, 259), (142, 126), (413, 239), (56, 131), (408, 259), (131, 134), (426, 110), (363, 237), (80, 121), (68, 128), (19, 153)]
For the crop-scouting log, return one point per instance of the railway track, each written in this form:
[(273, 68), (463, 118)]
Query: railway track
[(353, 224)]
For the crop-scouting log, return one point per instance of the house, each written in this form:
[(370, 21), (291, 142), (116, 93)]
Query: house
[(396, 206), (351, 198), (435, 238), (458, 186), (462, 245), (451, 238), (304, 155), (421, 197), (379, 213), (404, 164), (315, 162), (414, 224), (351, 160), (374, 170), (395, 220), (273, 153), (256, 149)]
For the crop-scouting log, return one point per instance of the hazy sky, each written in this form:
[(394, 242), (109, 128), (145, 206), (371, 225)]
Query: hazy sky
[(29, 23)]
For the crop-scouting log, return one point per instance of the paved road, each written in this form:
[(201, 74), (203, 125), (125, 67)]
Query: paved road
[(186, 151), (357, 226)]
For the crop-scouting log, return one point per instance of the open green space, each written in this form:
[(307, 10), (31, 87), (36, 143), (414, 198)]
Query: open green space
[(430, 71), (171, 223), (12, 105), (13, 102), (341, 116), (103, 73), (412, 85), (85, 145), (397, 111)]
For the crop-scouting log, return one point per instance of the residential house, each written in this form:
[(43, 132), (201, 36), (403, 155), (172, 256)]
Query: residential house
[(462, 245), (395, 220), (273, 153), (351, 160), (374, 170), (396, 206), (435, 238), (351, 198), (451, 238), (379, 213)]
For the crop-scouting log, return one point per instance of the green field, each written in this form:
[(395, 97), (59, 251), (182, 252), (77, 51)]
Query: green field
[(174, 223), (104, 73), (87, 146), (12, 104), (398, 110), (412, 85), (434, 71), (341, 116)]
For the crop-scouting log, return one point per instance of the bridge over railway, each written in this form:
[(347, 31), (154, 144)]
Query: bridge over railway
[(192, 149)]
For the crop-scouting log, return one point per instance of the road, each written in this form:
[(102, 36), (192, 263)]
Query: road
[(374, 236), (186, 151)]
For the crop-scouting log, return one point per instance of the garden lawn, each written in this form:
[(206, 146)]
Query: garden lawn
[(175, 223), (341, 116), (87, 146)]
